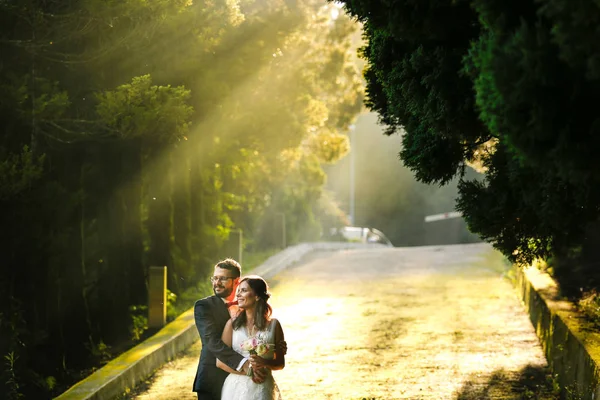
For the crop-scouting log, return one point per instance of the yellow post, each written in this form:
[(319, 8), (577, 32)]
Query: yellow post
[(157, 297)]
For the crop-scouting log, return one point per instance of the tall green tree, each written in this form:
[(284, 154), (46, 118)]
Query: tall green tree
[(508, 84), (107, 171)]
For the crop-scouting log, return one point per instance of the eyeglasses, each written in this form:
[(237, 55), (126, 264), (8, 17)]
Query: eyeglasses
[(220, 279)]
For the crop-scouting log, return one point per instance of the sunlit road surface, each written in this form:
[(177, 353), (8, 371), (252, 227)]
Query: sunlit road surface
[(393, 323)]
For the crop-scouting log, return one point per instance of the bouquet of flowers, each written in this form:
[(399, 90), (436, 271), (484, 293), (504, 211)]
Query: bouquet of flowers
[(256, 346)]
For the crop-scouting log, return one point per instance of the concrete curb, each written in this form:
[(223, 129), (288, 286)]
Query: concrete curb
[(290, 256), (572, 351), (132, 367)]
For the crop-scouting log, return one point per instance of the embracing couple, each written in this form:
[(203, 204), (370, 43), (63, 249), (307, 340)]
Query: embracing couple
[(241, 343)]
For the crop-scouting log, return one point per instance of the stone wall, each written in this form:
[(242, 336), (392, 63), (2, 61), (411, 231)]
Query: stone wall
[(571, 347)]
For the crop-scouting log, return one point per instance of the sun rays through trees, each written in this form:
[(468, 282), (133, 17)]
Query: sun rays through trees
[(142, 133)]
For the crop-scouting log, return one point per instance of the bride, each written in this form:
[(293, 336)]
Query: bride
[(253, 334)]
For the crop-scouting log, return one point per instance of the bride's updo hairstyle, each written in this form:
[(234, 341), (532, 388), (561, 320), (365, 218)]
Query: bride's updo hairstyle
[(262, 309)]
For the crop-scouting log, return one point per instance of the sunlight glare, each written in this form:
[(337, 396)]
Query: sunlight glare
[(335, 13)]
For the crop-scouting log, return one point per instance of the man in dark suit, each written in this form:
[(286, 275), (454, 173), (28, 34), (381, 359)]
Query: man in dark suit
[(211, 314)]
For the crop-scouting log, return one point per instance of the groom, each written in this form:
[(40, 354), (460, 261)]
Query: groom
[(211, 314)]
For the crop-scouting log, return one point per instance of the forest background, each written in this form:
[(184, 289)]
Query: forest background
[(142, 133)]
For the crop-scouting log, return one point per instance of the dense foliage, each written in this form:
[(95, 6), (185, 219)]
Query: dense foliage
[(510, 85), (141, 133)]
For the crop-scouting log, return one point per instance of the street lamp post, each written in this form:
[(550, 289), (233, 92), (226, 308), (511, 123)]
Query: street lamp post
[(352, 173)]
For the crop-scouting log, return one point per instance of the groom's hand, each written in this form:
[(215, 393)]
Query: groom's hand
[(259, 375), (258, 369), (282, 346), (257, 362)]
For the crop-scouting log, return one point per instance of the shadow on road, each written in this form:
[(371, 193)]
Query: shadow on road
[(532, 382)]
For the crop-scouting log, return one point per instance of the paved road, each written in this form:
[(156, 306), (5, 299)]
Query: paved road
[(395, 323)]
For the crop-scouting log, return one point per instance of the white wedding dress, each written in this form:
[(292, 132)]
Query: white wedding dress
[(241, 387)]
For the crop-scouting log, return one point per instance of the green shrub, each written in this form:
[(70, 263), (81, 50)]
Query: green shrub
[(139, 321), (12, 384), (589, 305)]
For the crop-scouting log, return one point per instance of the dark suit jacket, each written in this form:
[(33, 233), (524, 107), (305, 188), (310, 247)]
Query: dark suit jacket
[(211, 315)]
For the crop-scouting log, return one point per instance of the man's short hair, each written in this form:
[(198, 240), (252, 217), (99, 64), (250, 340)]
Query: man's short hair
[(231, 265)]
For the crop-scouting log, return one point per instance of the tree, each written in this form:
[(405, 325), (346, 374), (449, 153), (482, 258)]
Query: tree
[(106, 170), (510, 84), (153, 118)]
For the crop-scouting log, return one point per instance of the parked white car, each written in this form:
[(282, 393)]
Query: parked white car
[(361, 235)]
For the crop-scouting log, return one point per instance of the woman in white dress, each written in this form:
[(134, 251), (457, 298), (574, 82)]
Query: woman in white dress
[(250, 333)]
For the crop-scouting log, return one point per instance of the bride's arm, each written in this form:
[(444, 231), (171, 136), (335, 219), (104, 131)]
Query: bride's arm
[(227, 338), (278, 362)]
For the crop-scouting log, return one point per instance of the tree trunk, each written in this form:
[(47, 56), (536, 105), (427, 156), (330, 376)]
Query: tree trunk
[(131, 222), (114, 278), (182, 265), (158, 223)]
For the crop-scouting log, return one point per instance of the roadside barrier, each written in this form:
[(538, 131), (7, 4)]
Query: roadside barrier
[(572, 351)]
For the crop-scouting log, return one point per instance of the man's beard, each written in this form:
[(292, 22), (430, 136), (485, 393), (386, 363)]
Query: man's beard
[(224, 294)]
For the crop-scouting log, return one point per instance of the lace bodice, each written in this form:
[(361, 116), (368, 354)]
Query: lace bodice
[(266, 336)]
